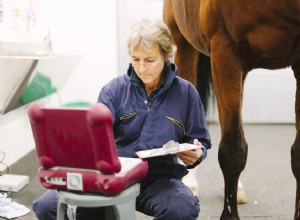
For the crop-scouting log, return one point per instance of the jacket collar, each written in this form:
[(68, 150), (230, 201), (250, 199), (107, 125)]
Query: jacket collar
[(169, 73)]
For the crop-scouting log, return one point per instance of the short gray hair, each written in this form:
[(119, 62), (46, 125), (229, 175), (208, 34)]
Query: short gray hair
[(147, 33)]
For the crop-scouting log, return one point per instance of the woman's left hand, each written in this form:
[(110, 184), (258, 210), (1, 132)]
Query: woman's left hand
[(191, 156)]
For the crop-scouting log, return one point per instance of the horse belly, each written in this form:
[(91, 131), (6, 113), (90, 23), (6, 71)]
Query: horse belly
[(188, 20), (270, 42)]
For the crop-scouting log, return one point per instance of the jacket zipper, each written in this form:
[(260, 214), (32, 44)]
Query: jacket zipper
[(177, 123), (127, 116)]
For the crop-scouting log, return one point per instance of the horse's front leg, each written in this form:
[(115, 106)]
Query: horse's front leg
[(295, 151), (228, 78)]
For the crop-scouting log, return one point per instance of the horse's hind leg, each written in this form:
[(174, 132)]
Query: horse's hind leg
[(295, 151), (186, 57), (186, 60)]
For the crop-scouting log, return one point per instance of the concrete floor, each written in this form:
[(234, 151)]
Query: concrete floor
[(267, 178)]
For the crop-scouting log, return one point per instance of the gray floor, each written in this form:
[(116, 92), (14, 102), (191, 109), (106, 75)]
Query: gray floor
[(267, 178)]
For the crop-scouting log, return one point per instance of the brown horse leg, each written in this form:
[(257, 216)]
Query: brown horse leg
[(228, 80), (186, 60), (186, 57), (295, 150)]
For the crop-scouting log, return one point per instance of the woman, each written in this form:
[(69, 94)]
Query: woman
[(151, 105)]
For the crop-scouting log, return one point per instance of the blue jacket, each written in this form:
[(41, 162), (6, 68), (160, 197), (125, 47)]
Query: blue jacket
[(172, 112)]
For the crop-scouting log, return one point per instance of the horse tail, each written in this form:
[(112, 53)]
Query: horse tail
[(204, 80)]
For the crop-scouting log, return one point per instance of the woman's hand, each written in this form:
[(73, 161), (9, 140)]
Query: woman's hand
[(191, 156)]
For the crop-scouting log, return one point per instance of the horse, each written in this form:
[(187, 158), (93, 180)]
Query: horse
[(238, 36)]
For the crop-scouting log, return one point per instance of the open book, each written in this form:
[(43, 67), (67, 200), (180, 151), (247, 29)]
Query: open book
[(170, 147)]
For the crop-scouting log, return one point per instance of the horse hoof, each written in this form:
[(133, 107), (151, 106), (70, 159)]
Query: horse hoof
[(241, 196), (192, 185), (190, 181), (194, 189)]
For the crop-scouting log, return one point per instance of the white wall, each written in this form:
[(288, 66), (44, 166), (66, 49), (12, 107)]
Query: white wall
[(269, 96), (88, 28), (130, 11)]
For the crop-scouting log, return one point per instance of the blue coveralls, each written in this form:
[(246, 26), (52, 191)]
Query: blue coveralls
[(172, 112)]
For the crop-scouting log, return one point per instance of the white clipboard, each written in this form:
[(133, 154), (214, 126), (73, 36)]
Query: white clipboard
[(170, 147)]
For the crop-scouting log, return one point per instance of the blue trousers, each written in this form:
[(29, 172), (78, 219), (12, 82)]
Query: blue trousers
[(164, 199)]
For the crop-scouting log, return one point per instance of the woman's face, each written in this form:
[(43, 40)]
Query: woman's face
[(148, 65)]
